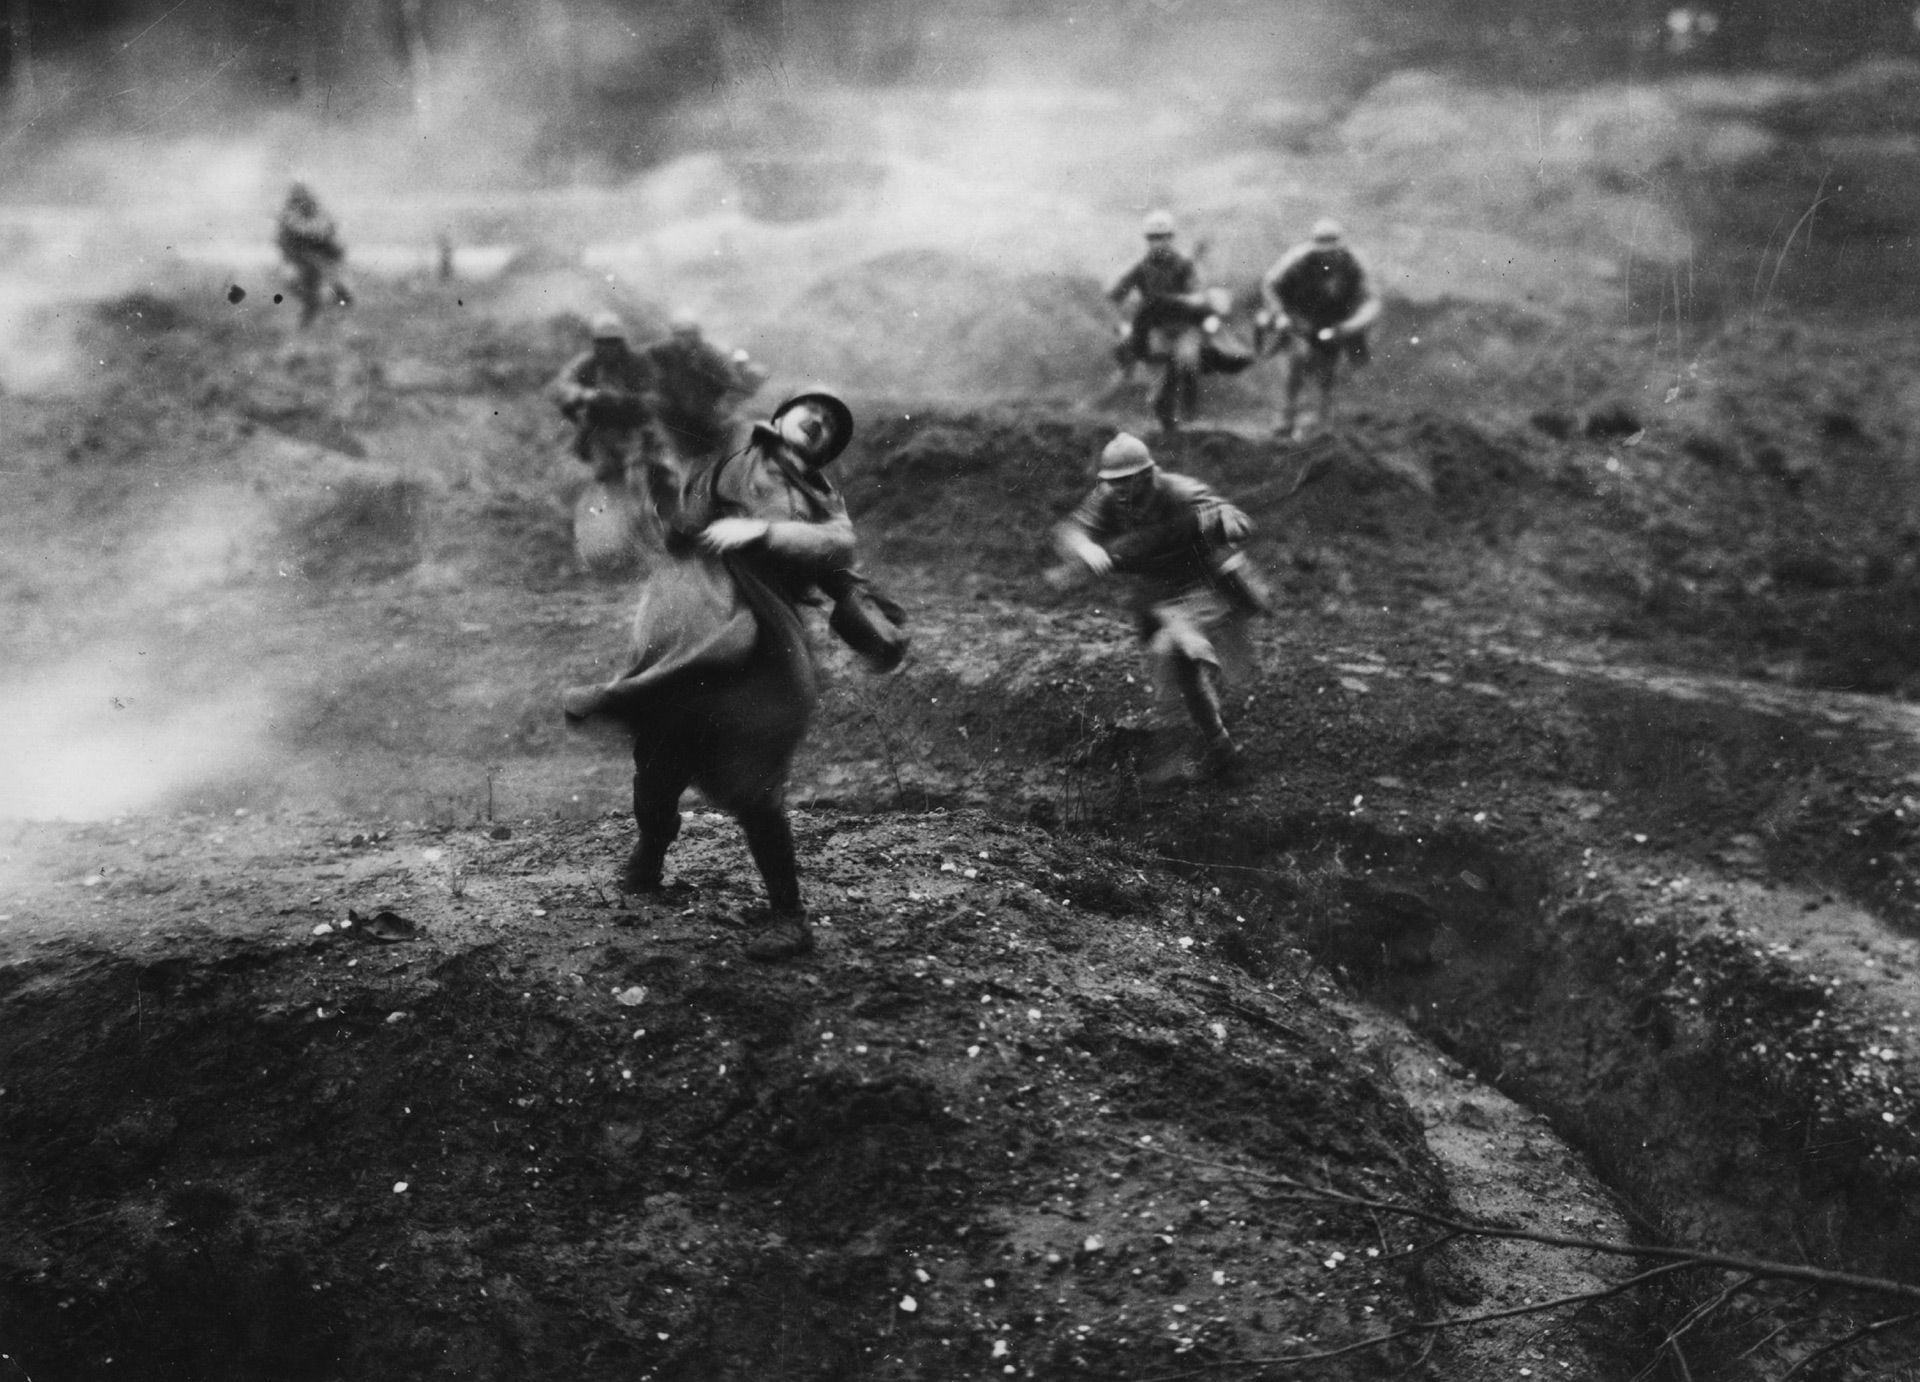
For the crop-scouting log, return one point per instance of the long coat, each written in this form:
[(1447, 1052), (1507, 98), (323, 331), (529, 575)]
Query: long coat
[(700, 611)]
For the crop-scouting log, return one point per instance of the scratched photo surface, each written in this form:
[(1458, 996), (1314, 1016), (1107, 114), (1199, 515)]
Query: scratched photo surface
[(1006, 688)]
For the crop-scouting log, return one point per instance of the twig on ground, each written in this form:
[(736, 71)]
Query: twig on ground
[(1865, 1331), (1419, 1327), (1486, 1228)]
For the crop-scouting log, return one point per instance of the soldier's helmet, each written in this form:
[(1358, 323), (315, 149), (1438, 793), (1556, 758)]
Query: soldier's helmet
[(607, 326), (1125, 455), (684, 323), (1157, 223), (1327, 231), (835, 408)]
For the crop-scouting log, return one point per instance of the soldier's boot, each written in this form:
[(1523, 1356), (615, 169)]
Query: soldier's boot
[(1200, 689)]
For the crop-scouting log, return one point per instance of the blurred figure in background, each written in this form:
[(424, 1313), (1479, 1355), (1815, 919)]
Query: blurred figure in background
[(1167, 326), (699, 385), (1319, 302), (309, 241), (610, 393), (1194, 589)]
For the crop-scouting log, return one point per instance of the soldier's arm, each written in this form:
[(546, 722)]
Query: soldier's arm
[(1081, 535), (1370, 303), (1211, 515), (824, 546), (1123, 285)]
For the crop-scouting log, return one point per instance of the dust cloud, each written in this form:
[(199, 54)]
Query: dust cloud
[(910, 203)]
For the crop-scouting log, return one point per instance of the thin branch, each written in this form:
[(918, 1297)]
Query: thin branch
[(1486, 1228), (1431, 1327), (1848, 1340)]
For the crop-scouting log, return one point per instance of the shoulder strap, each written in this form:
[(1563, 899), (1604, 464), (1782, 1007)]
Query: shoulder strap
[(801, 481)]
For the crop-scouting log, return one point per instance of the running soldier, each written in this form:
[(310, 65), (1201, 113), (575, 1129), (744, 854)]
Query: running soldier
[(1193, 588), (1167, 322), (309, 241), (1319, 302), (698, 385)]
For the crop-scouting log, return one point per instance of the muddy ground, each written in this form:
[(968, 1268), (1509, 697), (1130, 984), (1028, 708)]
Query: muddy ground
[(1574, 882)]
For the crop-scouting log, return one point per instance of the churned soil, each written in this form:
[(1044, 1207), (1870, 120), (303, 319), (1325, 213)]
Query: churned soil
[(1571, 882)]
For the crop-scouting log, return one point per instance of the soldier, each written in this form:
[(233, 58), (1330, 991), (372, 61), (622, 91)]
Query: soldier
[(610, 393), (1166, 323), (309, 241), (699, 384), (1319, 301), (722, 681), (1193, 588)]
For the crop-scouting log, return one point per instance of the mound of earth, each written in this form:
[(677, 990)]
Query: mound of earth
[(436, 1102)]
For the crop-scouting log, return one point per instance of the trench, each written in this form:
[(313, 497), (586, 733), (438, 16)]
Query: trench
[(1631, 1026)]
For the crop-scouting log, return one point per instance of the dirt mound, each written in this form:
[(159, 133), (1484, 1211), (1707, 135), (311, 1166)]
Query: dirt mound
[(557, 1132)]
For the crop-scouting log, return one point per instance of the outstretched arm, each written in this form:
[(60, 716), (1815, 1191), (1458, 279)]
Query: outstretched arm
[(1075, 544)]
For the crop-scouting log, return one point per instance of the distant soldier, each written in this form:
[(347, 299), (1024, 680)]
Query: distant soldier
[(1167, 322), (698, 386), (1320, 300), (1194, 590), (309, 241), (610, 393)]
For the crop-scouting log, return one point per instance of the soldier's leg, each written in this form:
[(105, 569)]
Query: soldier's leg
[(306, 288), (1200, 689), (1186, 360), (1166, 396), (1296, 379), (661, 772), (770, 841)]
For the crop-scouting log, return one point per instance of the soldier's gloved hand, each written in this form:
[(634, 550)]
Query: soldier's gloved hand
[(1326, 333), (1096, 558), (725, 534)]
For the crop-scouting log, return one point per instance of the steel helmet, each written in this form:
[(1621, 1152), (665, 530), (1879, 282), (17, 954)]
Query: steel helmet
[(684, 323), (1326, 231), (1125, 455), (842, 417), (607, 326), (1157, 223)]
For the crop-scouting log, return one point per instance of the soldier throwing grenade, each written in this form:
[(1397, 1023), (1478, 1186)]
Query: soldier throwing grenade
[(1193, 593), (1319, 301)]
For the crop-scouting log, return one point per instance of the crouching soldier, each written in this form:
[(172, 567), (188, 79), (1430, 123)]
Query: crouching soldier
[(1193, 589), (1320, 302), (700, 384), (610, 393)]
